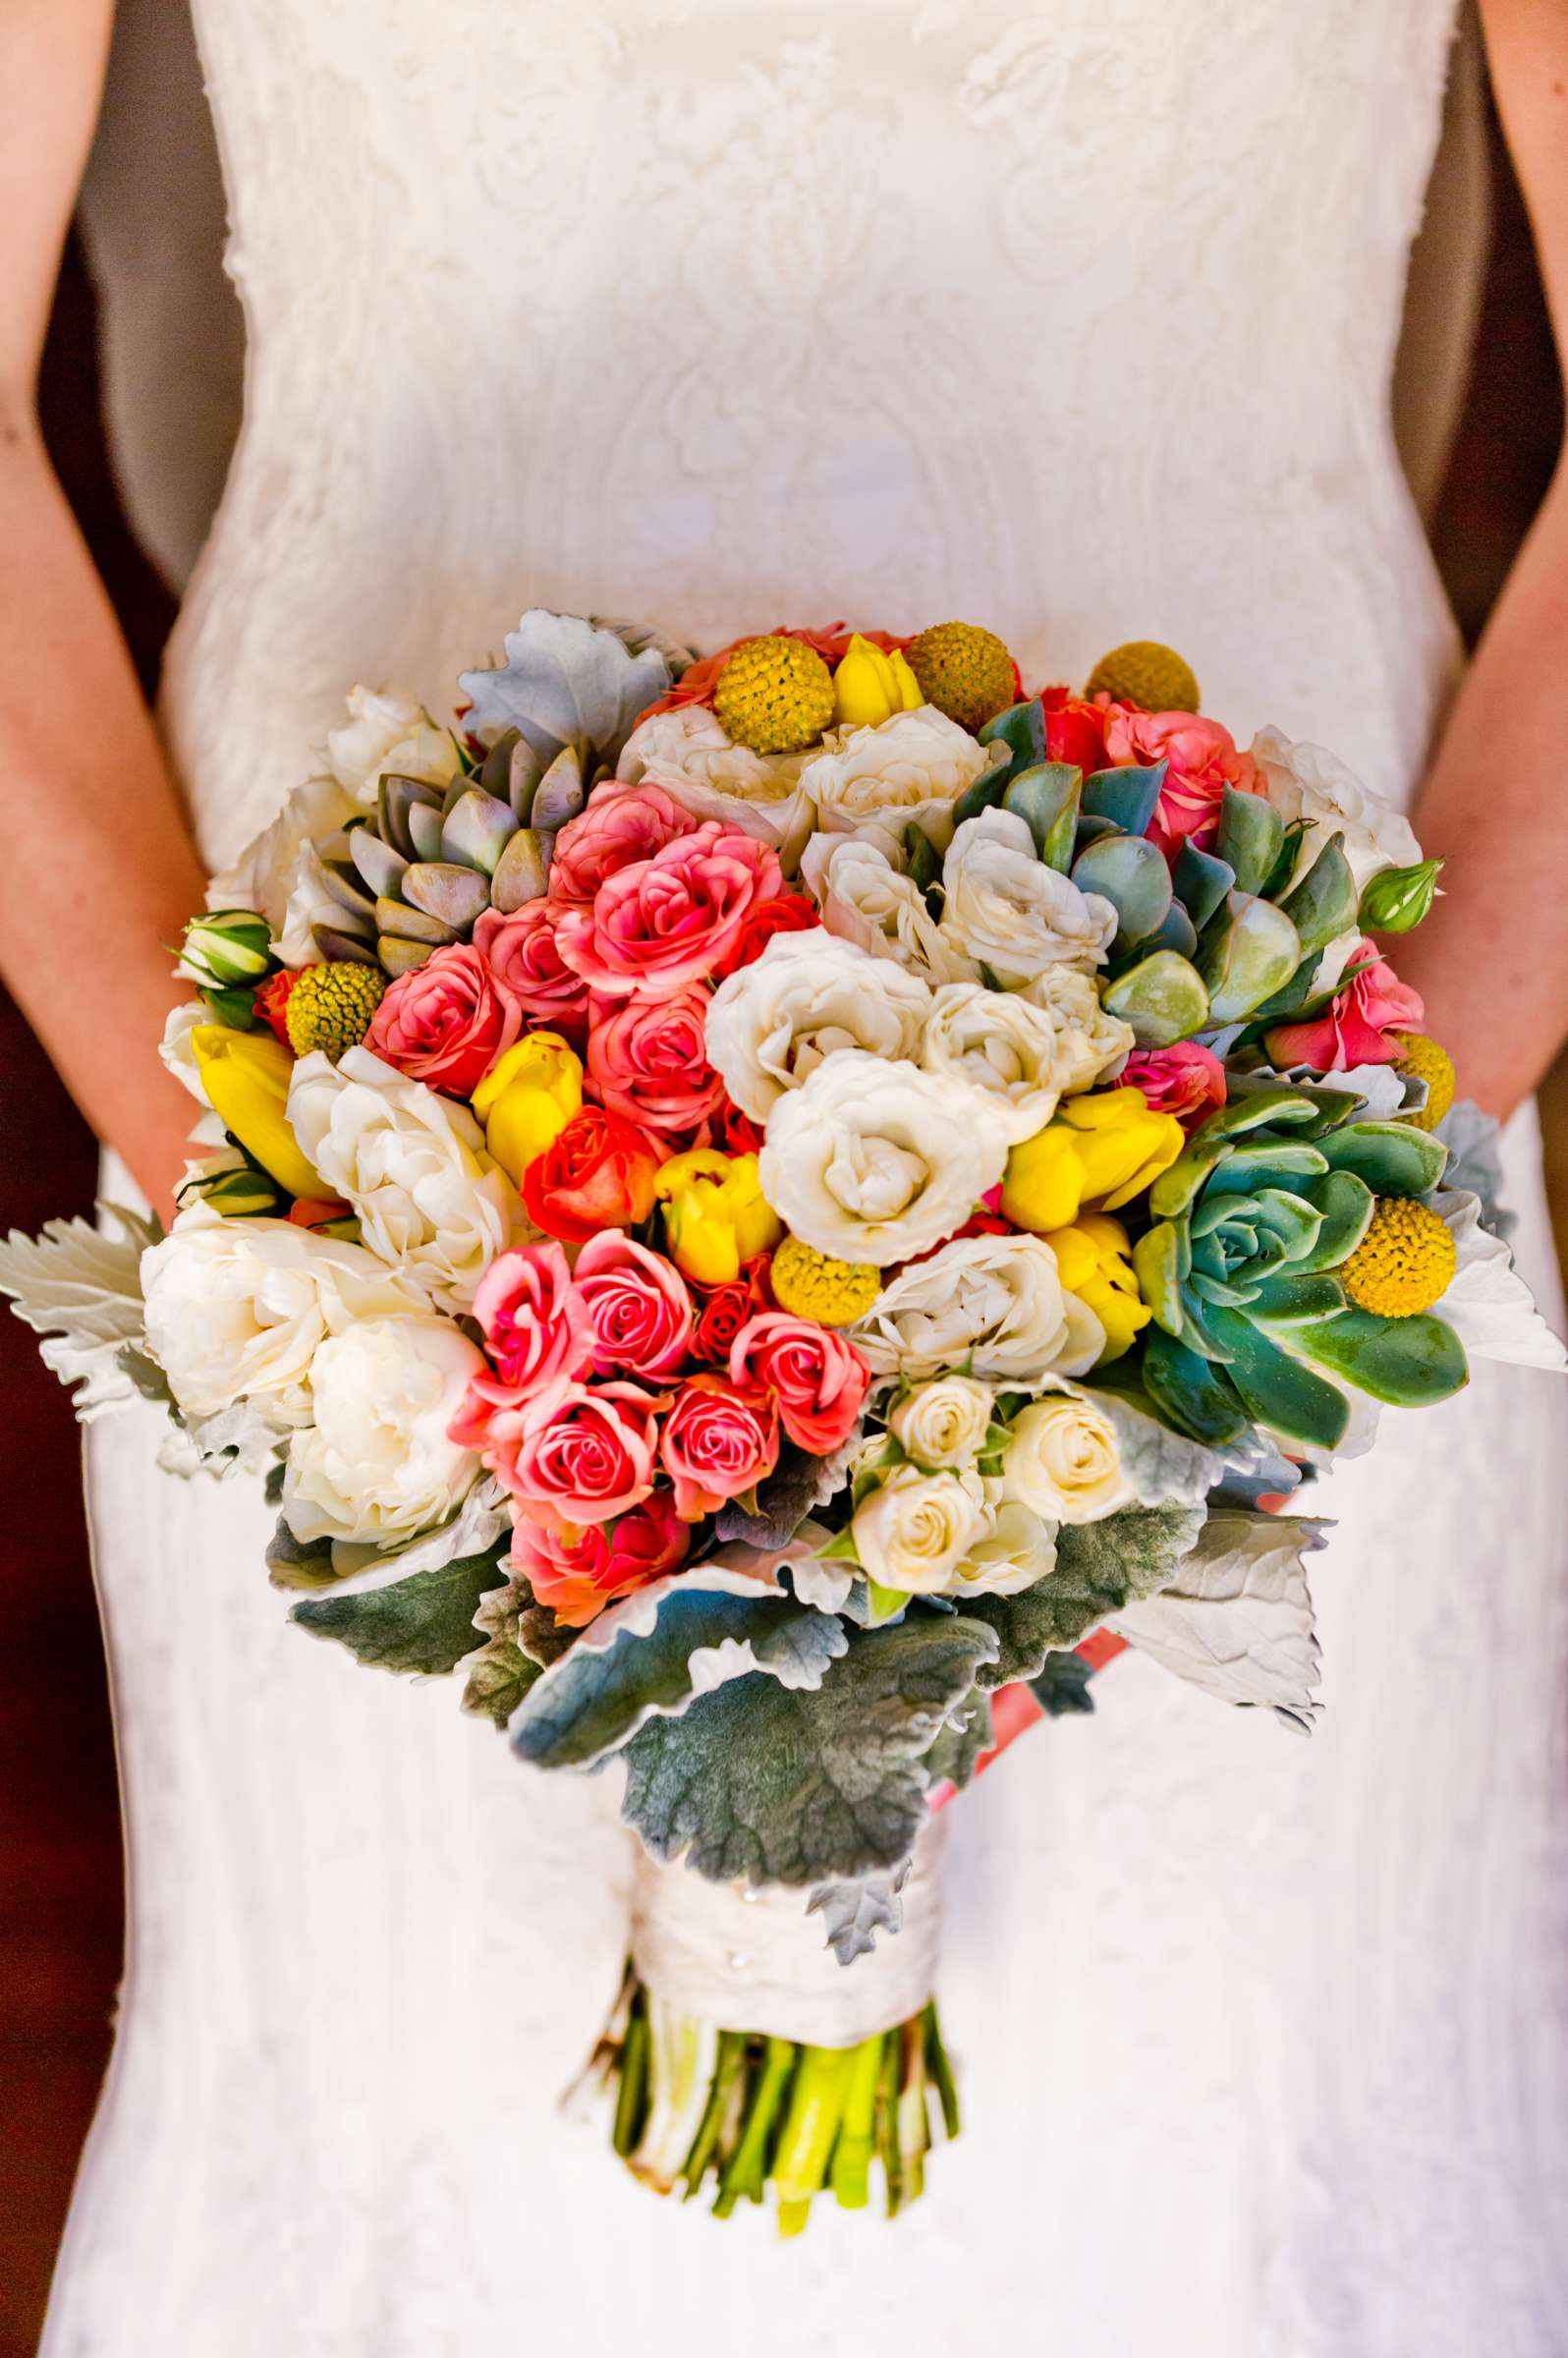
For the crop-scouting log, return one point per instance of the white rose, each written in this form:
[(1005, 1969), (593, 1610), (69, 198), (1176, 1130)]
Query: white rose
[(1064, 1460), (1014, 1549), (871, 1161), (1021, 1057), (996, 1302), (1010, 912), (913, 766), (771, 1024), (942, 1423), (1306, 782), (913, 1532), (279, 874), (237, 1310), (689, 752), (1090, 1046), (387, 729), (430, 1201), (864, 898), (376, 1465)]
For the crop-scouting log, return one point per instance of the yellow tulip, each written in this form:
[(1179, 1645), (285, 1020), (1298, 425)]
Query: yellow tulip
[(1104, 1150), (869, 687), (527, 1099), (1094, 1260), (715, 1215), (246, 1076)]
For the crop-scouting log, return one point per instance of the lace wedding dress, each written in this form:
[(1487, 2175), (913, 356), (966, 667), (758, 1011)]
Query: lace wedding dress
[(1074, 320)]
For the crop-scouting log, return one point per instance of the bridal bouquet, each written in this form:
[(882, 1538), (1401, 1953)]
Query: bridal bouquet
[(772, 1212)]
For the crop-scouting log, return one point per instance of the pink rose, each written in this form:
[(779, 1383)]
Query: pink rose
[(646, 1060), (578, 1453), (579, 1569), (447, 1022), (523, 954), (1185, 1080), (538, 1332), (1356, 1028), (638, 1305), (621, 825), (716, 1441), (1203, 761), (818, 1380), (675, 919)]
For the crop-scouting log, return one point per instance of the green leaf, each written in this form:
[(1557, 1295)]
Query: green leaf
[(1128, 872), (1046, 798), (966, 1736), (423, 1625), (1323, 905), (1347, 1204), (1021, 729), (1100, 1567), (1390, 1157), (1126, 796), (1202, 883), (1411, 1363), (1275, 1387), (500, 1674), (1193, 1392), (761, 1784), (1397, 899), (1250, 836), (1249, 958), (1063, 1685), (1161, 997)]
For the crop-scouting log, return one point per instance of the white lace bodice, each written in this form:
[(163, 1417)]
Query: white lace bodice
[(1074, 320)]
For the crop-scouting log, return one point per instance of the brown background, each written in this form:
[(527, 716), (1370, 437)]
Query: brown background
[(60, 1860)]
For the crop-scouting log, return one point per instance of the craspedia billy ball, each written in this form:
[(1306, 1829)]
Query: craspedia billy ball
[(1143, 673), (964, 671), (774, 696)]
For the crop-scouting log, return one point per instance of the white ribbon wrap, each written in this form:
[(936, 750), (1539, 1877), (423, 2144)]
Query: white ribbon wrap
[(749, 1960)]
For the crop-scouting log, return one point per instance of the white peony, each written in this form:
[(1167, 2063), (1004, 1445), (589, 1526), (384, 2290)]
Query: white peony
[(689, 752), (866, 898), (1008, 911), (388, 729), (913, 1532), (1064, 1460), (942, 1423), (413, 1165), (1090, 1046), (872, 1162), (771, 1024), (237, 1310), (910, 769), (1306, 782), (376, 1465), (1020, 1056), (995, 1302), (1014, 1548)]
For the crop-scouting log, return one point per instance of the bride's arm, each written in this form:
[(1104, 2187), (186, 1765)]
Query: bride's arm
[(96, 869), (1492, 959)]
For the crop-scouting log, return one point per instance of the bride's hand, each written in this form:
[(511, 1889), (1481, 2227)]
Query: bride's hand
[(96, 872)]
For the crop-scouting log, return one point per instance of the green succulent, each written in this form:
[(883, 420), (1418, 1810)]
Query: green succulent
[(1250, 1324)]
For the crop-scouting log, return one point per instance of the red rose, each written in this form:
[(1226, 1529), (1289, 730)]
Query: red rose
[(595, 1173), (716, 1441), (523, 954), (447, 1022), (1075, 730), (784, 912), (722, 1311), (579, 1569), (818, 1380), (1202, 759), (647, 1061), (637, 1303), (271, 1003)]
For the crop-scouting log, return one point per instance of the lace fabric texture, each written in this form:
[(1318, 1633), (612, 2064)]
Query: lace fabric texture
[(1076, 320)]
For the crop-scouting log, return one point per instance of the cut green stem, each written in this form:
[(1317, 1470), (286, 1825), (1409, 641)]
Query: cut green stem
[(746, 2173)]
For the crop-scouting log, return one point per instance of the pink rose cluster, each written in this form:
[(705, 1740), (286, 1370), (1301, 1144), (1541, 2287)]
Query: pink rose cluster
[(602, 1415)]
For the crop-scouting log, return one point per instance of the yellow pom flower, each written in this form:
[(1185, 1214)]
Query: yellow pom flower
[(869, 687), (717, 1217), (246, 1076), (1093, 1258), (774, 696), (964, 671), (331, 1006), (814, 1285), (1424, 1060), (1104, 1150), (527, 1099), (1143, 672), (1405, 1261)]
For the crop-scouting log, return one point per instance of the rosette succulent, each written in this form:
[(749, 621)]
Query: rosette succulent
[(1241, 1269)]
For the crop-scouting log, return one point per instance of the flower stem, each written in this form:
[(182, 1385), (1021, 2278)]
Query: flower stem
[(726, 2073), (817, 2107), (631, 2100), (852, 2156), (940, 2069), (747, 2164)]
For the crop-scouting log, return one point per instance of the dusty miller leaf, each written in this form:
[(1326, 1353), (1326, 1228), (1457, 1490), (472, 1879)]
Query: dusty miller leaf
[(855, 1908), (500, 1674), (82, 1290), (798, 1483), (761, 1784), (1100, 1567), (565, 682), (1237, 1620), (1063, 1685), (423, 1625), (968, 1733)]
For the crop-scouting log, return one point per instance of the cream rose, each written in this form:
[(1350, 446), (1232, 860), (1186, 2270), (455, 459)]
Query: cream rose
[(914, 1532), (771, 1024), (238, 1310), (388, 729), (1064, 1460), (942, 1423), (994, 1300), (1014, 1548), (1008, 911), (279, 874), (1019, 1057), (1305, 782), (866, 898), (690, 753), (376, 1465), (430, 1201), (912, 768), (871, 1161), (1090, 1046)]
